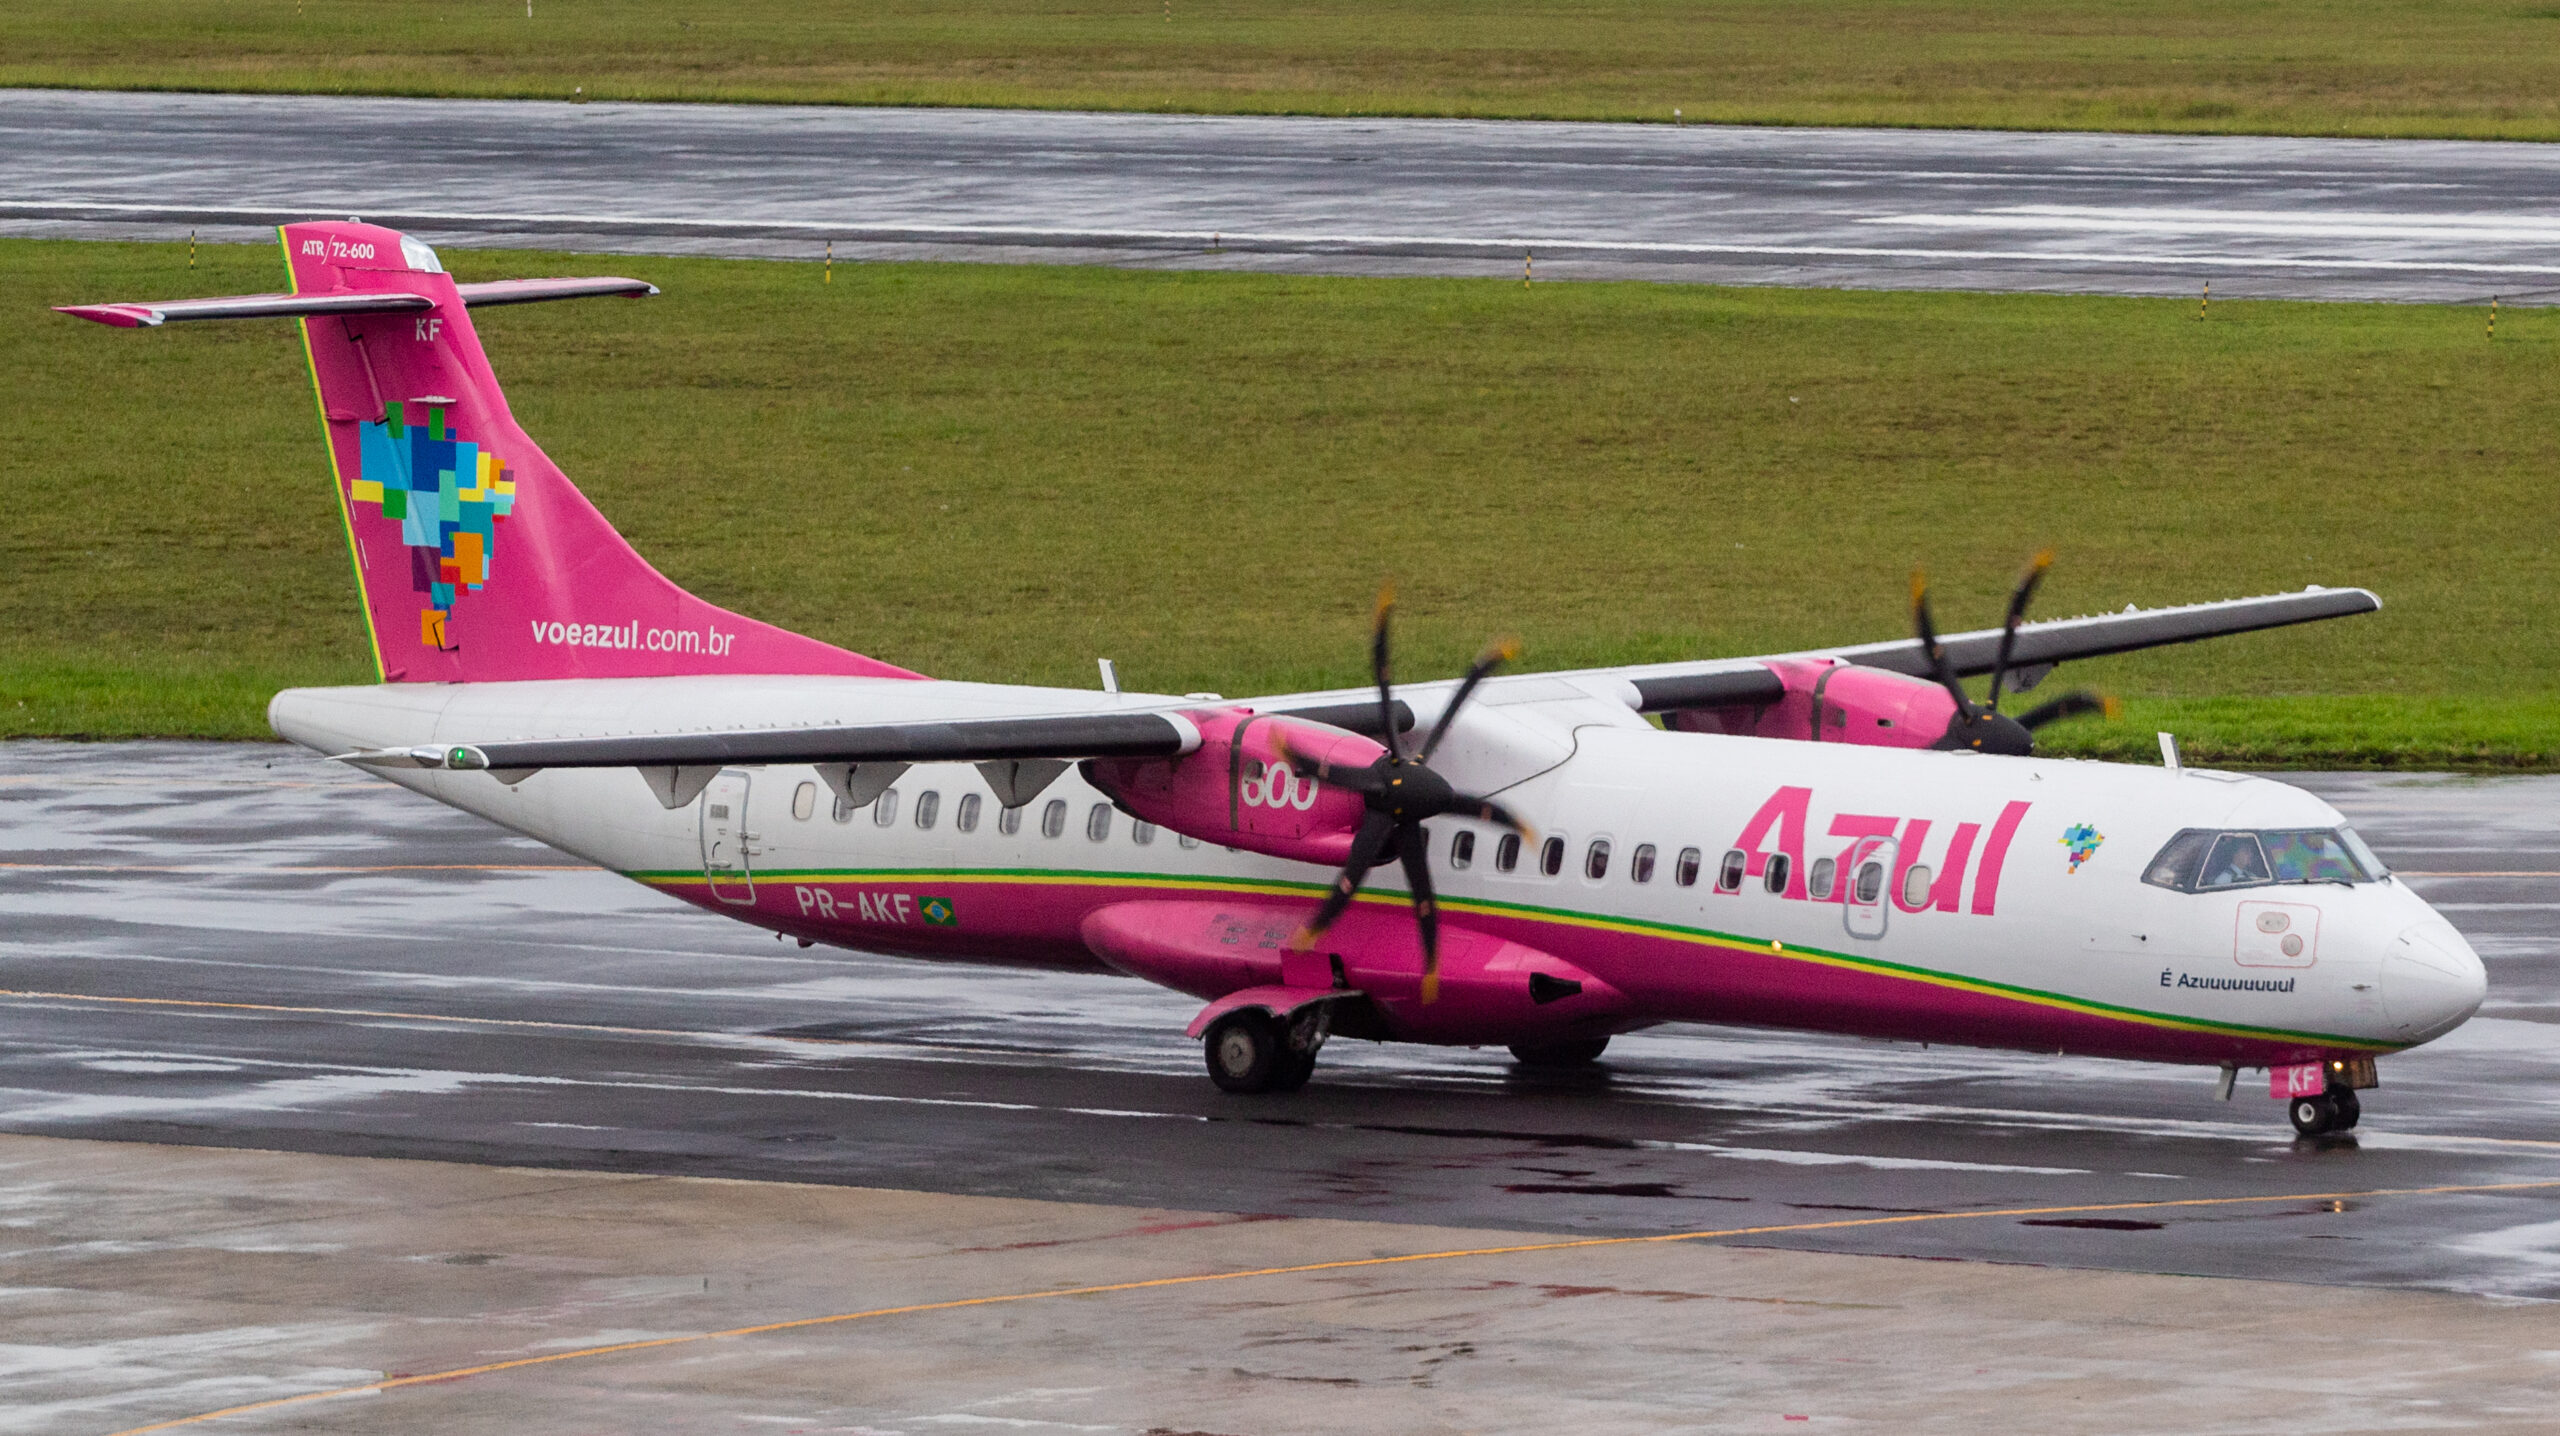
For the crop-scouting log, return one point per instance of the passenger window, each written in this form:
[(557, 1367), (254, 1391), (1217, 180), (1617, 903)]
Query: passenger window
[(1870, 884), (1506, 854), (966, 819), (1462, 850), (1729, 872), (1640, 863), (844, 809), (1818, 878), (1915, 887), (1774, 875), (1009, 821), (2236, 862), (804, 802), (1595, 860), (1551, 857), (1142, 833), (928, 808), (884, 810), (1097, 824), (1685, 872), (1053, 818), (1185, 840)]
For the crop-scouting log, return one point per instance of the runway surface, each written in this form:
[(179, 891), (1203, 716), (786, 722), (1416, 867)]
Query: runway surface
[(2114, 214), (241, 945)]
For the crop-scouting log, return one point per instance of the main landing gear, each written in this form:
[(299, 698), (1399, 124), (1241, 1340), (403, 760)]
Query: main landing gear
[(2335, 1110), (1251, 1051), (1554, 1056)]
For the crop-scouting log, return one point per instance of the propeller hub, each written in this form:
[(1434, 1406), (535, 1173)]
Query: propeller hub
[(1985, 732)]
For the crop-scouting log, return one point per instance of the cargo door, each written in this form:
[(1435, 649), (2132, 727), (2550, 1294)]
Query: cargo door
[(728, 848)]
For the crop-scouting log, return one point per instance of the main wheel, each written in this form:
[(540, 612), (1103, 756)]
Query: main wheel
[(1247, 1052), (1580, 1053), (2314, 1116)]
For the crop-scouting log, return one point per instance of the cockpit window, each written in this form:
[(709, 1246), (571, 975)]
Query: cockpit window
[(2236, 861), (2201, 860)]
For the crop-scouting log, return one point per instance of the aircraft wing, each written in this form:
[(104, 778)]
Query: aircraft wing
[(1725, 682), (1163, 731)]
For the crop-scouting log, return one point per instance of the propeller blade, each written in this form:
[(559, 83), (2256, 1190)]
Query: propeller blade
[(1496, 653), (1364, 779), (2070, 705), (1415, 848), (1937, 653), (2018, 597), (1492, 812), (1378, 668), (1367, 846)]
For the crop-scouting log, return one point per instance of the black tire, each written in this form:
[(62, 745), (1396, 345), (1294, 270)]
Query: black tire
[(1295, 1069), (2350, 1111), (1581, 1052), (2313, 1116), (1246, 1052)]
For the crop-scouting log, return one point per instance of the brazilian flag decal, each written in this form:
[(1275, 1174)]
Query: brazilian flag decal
[(938, 912)]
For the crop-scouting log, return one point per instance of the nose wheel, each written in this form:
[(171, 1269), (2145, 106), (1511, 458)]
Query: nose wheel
[(2335, 1110), (1249, 1051)]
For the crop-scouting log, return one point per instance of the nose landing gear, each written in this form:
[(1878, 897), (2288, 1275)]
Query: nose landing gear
[(2335, 1110)]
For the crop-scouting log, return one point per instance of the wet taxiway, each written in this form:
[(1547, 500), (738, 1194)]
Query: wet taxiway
[(2255, 216), (241, 945)]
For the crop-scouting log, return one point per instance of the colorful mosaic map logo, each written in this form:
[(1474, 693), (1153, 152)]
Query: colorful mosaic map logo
[(2083, 842), (448, 495)]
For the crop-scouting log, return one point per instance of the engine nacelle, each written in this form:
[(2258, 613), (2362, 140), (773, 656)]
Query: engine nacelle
[(1235, 789), (1829, 701)]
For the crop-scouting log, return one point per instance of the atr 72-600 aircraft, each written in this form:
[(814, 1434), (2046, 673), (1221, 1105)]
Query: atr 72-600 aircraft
[(1841, 841)]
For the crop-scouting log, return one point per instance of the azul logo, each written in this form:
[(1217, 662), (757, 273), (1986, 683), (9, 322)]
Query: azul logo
[(2083, 842), (1785, 817), (448, 495)]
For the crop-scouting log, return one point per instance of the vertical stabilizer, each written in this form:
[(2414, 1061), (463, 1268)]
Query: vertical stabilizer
[(476, 557)]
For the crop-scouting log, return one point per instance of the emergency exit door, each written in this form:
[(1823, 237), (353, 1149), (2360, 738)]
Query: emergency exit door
[(1868, 876), (728, 847)]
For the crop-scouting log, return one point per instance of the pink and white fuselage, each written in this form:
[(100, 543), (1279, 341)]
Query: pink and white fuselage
[(2001, 940)]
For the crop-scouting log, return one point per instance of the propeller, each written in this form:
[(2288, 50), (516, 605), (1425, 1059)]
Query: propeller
[(1983, 728), (1401, 793)]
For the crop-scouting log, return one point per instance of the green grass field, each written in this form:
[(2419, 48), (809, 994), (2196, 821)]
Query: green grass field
[(2469, 68), (1003, 472)]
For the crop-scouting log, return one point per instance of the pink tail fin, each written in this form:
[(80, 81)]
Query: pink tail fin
[(477, 558)]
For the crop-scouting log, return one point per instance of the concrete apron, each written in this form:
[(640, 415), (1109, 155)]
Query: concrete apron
[(145, 1284)]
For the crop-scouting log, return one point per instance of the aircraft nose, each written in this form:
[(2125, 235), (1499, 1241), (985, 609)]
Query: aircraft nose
[(2431, 980)]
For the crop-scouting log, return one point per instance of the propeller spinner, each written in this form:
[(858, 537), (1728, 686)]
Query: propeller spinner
[(1981, 728), (1402, 793)]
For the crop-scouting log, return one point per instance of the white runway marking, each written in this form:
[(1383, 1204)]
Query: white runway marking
[(1488, 246), (2081, 219)]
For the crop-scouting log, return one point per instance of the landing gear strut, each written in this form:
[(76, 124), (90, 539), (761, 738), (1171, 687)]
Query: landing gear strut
[(2335, 1110), (1251, 1051), (1578, 1053)]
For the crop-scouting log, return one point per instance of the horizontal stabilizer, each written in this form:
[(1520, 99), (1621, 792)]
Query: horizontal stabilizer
[(304, 306)]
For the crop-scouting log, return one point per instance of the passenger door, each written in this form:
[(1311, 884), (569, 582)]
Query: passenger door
[(728, 848), (1869, 895)]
